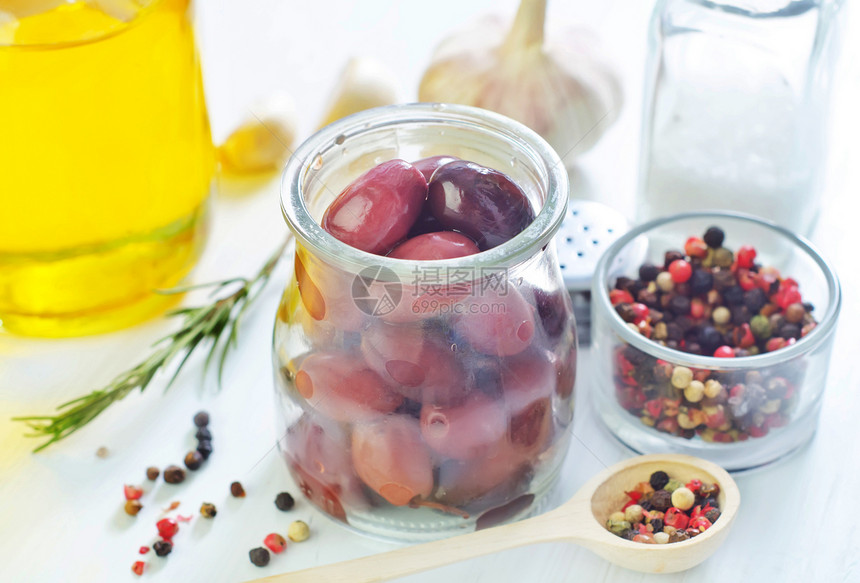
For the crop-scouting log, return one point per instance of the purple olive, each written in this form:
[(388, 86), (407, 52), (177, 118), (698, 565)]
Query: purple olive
[(378, 208), (427, 166), (431, 246), (479, 202)]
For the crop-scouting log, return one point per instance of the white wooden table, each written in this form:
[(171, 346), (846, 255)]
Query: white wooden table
[(61, 516)]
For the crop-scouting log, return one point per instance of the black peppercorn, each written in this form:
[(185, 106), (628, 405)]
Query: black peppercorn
[(259, 556), (713, 514), (714, 237), (284, 501), (162, 548), (193, 460), (685, 322), (733, 295), (174, 475), (710, 339), (657, 523), (789, 331), (201, 419), (237, 490), (680, 305), (701, 282), (658, 480), (204, 446), (648, 272), (755, 299), (740, 315), (625, 284), (152, 473), (647, 297), (626, 312), (203, 433)]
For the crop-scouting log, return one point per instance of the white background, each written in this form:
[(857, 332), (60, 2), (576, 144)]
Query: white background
[(61, 516)]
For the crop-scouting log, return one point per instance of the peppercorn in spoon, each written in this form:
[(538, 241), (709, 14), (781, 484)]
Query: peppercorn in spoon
[(580, 520)]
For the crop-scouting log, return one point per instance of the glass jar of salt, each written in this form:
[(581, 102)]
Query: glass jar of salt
[(736, 96)]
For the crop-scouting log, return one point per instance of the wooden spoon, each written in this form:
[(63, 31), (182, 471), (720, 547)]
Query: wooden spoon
[(580, 520)]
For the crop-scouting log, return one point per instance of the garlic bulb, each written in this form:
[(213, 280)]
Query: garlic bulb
[(364, 83), (560, 90), (263, 142)]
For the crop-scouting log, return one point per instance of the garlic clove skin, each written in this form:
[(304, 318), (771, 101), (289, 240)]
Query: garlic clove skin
[(561, 91), (24, 8), (8, 27), (264, 140), (123, 10), (364, 83)]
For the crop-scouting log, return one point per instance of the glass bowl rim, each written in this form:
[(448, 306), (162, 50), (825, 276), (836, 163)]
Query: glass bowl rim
[(312, 236), (819, 334)]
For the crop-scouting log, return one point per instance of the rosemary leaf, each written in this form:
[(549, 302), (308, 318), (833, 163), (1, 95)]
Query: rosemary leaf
[(200, 325)]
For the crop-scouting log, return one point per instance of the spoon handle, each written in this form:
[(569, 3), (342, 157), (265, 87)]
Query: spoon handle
[(417, 558)]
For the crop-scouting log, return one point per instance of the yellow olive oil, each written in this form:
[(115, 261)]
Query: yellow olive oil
[(106, 164)]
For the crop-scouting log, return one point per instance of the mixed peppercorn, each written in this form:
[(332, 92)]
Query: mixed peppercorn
[(168, 525), (664, 510), (711, 301)]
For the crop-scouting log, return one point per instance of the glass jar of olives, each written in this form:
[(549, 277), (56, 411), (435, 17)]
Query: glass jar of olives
[(425, 347)]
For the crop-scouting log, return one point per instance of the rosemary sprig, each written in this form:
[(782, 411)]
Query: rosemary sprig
[(199, 324)]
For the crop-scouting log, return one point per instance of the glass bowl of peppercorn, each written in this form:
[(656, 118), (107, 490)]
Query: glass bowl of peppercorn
[(712, 337)]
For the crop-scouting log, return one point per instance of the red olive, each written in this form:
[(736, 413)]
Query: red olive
[(479, 202), (390, 457), (496, 322), (472, 429), (341, 386), (378, 208), (463, 482), (528, 382), (321, 465), (326, 292), (432, 246), (415, 364)]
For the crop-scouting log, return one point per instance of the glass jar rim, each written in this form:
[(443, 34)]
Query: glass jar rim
[(816, 336), (311, 235), (63, 44)]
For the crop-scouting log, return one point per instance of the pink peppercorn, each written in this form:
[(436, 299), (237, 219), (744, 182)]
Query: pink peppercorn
[(137, 567), (724, 352), (695, 247), (132, 492), (680, 270), (620, 296), (746, 256), (167, 528), (640, 311)]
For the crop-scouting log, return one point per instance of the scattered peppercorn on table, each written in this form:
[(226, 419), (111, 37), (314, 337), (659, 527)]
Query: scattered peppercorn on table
[(62, 512)]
